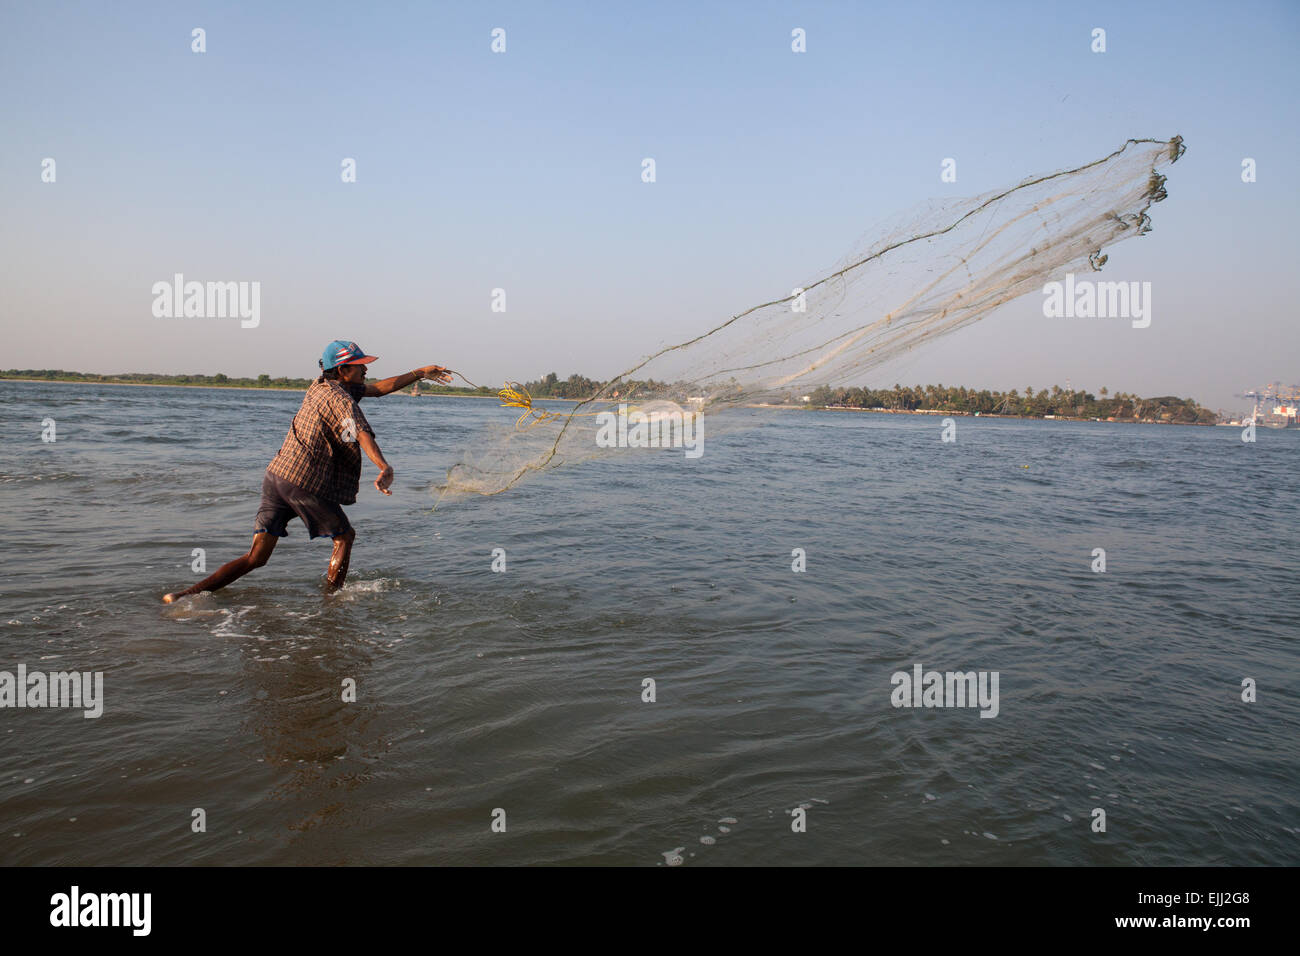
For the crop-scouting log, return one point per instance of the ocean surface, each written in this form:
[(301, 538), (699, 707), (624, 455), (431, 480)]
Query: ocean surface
[(516, 698)]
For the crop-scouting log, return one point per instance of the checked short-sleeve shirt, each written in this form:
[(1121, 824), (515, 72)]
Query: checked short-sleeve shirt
[(321, 454)]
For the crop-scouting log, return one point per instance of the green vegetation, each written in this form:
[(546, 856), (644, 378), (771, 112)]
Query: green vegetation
[(1056, 402), (150, 378), (578, 387), (219, 380), (428, 388)]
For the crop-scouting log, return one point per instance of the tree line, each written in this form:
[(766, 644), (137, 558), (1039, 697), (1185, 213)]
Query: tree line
[(579, 387), (219, 380), (1054, 401)]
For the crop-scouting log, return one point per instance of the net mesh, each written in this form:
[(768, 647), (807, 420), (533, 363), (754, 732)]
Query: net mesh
[(939, 268)]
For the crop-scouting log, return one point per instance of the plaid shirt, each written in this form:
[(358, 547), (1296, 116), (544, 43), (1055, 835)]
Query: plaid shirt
[(321, 454)]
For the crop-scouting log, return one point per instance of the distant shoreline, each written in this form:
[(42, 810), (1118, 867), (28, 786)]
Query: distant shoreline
[(228, 388), (224, 388), (1020, 418), (815, 408)]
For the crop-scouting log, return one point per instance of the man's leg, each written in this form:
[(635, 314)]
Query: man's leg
[(258, 555), (338, 572)]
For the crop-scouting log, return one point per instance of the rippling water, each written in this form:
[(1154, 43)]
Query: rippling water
[(522, 691)]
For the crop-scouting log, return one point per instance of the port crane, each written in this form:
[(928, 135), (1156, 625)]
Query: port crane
[(1268, 397)]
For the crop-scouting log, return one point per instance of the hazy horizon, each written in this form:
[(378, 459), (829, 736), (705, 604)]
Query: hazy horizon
[(521, 171)]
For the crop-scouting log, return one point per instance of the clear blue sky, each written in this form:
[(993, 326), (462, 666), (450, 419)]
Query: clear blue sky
[(522, 171)]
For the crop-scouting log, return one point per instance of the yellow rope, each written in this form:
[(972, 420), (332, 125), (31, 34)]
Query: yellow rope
[(514, 395)]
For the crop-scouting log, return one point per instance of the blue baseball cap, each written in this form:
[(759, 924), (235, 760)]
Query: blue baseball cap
[(340, 352)]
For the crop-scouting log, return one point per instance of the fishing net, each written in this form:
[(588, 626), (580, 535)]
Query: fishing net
[(935, 270)]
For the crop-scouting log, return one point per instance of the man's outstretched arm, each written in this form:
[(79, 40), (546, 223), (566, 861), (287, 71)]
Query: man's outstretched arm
[(386, 386)]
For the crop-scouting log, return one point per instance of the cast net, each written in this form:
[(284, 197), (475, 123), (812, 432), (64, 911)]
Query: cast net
[(940, 268)]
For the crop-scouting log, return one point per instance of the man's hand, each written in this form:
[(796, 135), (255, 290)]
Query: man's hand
[(387, 386), (372, 451), (436, 373)]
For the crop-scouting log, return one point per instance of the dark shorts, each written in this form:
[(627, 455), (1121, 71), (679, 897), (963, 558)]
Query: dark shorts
[(282, 501)]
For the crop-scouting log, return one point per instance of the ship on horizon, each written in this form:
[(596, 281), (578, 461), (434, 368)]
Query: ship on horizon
[(1284, 402)]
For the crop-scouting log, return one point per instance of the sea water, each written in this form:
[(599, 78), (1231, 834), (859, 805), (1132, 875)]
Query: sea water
[(524, 690)]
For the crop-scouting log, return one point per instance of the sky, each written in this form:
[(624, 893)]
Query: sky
[(522, 170)]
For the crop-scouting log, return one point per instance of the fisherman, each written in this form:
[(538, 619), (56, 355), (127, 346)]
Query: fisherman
[(318, 468)]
